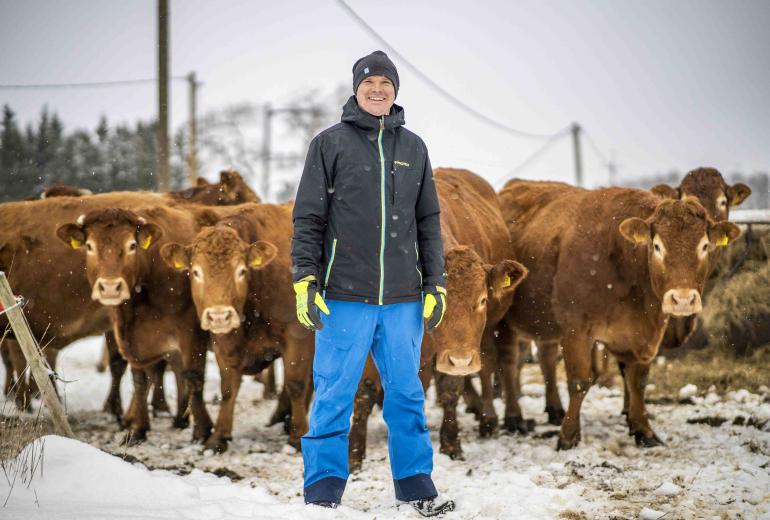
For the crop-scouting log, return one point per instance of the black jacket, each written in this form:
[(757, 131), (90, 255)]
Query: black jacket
[(366, 216)]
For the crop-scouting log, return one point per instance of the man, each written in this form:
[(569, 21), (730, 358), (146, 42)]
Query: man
[(367, 237)]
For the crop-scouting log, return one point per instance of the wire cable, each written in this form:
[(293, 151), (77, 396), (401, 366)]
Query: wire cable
[(89, 84), (455, 100), (523, 164)]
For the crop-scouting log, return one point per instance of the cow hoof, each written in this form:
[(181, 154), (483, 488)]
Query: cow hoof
[(181, 423), (516, 424), (487, 426), (201, 434), (555, 415), (454, 452), (134, 437), (354, 466), (567, 444), (295, 443), (216, 444), (647, 442)]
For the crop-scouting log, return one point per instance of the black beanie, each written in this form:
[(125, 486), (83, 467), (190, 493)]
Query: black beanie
[(375, 64)]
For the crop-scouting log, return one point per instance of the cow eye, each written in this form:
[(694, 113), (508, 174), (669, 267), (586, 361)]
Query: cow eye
[(483, 302), (197, 273), (132, 246), (89, 247), (657, 247), (241, 273)]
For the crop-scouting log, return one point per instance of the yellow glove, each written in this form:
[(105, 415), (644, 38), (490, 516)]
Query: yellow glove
[(309, 301), (434, 306)]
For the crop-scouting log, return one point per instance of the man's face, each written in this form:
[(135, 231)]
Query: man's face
[(376, 95)]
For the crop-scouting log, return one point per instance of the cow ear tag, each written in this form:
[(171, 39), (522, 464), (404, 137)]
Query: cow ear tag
[(146, 243), (224, 188), (256, 262), (506, 281), (640, 239), (178, 264), (75, 243), (723, 241)]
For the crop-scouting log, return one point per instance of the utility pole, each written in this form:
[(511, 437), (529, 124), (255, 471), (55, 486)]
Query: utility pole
[(161, 155), (266, 130), (578, 160), (192, 158)]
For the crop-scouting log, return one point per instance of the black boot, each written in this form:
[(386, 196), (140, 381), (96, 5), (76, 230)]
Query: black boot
[(325, 503), (433, 506)]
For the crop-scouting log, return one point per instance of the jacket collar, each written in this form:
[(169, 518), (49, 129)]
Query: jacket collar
[(366, 121)]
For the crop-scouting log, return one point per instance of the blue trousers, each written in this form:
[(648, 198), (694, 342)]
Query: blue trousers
[(393, 334)]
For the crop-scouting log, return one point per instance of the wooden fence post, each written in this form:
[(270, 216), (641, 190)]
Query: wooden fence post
[(34, 357)]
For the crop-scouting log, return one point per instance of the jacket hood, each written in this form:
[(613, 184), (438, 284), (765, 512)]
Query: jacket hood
[(351, 113)]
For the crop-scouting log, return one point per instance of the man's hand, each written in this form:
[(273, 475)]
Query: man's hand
[(434, 306), (309, 301)]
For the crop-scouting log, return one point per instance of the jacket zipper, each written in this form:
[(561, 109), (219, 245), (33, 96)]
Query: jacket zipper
[(417, 266), (329, 267), (382, 211)]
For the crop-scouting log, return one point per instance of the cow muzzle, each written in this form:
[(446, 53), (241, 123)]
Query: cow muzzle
[(682, 302), (110, 291), (458, 363), (220, 319)]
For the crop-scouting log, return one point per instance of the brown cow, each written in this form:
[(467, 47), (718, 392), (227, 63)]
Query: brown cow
[(149, 304), (481, 278), (241, 285), (609, 265), (229, 191), (716, 196)]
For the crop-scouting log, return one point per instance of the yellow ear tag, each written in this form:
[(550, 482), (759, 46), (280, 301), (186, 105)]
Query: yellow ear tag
[(75, 244), (147, 242), (256, 262), (507, 281), (723, 241), (224, 188), (640, 239), (178, 264)]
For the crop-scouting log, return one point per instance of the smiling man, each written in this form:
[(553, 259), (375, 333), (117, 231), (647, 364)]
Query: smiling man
[(367, 237)]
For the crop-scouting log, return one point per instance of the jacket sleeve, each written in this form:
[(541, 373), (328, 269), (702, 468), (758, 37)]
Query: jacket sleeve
[(310, 213), (427, 213)]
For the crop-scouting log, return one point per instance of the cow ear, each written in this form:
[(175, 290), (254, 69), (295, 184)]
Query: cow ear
[(635, 230), (148, 234), (503, 278), (723, 232), (665, 191), (176, 256), (201, 181), (737, 193), (72, 235), (261, 253)]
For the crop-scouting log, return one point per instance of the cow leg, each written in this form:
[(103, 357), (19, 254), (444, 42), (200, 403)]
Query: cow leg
[(577, 362), (366, 396), (282, 413), (622, 368), (23, 396), (230, 376), (104, 361), (194, 348), (182, 417), (117, 364), (267, 378), (449, 388), (471, 398), (298, 369), (158, 399), (488, 420), (638, 423), (509, 353), (140, 417), (548, 354)]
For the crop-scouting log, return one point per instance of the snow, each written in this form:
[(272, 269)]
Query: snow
[(687, 391), (704, 471)]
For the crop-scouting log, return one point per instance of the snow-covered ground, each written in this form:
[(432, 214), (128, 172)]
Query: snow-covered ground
[(703, 472)]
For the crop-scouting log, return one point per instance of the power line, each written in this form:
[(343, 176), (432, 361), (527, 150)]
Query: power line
[(455, 100), (89, 84), (595, 148), (523, 164)]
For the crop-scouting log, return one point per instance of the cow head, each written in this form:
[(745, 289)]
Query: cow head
[(220, 266), (114, 242), (679, 237), (473, 289), (708, 185)]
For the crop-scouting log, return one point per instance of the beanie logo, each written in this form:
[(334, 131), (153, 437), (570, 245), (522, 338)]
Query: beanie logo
[(366, 70)]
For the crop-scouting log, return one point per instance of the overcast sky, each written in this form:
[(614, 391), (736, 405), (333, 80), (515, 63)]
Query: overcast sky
[(659, 84)]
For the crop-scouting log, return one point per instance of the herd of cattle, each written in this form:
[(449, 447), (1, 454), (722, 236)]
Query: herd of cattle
[(167, 277)]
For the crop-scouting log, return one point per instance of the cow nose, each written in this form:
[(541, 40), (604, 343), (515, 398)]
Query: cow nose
[(220, 319), (110, 288), (682, 302), (460, 361)]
